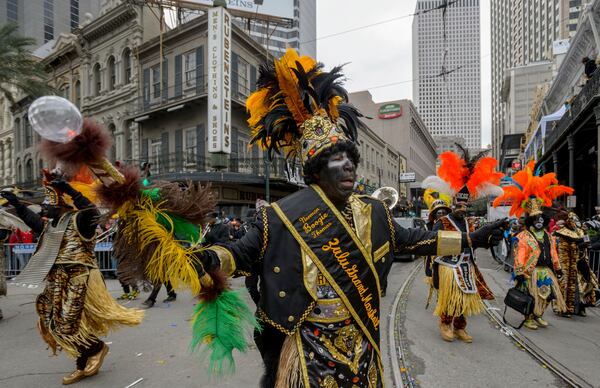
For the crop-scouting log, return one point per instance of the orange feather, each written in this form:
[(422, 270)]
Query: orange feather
[(453, 170), (484, 172)]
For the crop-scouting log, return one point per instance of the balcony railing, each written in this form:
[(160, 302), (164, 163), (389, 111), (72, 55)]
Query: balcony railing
[(149, 100), (590, 91), (190, 163)]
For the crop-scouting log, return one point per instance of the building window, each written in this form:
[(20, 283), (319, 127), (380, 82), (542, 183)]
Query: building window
[(65, 91), (28, 134), (112, 73), (74, 14), (48, 20), (17, 132), (155, 148), (155, 70), (97, 82), (189, 68), (77, 93), (190, 146), (12, 11), (243, 78), (126, 66), (113, 147), (29, 171)]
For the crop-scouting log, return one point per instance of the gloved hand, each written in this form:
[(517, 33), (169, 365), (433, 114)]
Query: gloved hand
[(489, 235), (62, 185), (520, 279), (10, 197), (559, 273)]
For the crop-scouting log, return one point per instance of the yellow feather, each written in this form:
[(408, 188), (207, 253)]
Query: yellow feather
[(333, 110), (170, 261), (288, 84), (257, 106)]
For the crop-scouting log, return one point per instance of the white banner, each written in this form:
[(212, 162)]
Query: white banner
[(219, 80), (279, 8)]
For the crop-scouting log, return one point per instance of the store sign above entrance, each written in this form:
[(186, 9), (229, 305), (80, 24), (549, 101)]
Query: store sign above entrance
[(219, 81), (390, 111)]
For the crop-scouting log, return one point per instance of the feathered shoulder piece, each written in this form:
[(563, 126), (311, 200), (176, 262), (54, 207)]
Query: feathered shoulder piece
[(299, 109), (456, 173), (528, 191)]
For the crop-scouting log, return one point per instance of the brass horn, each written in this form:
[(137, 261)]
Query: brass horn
[(387, 195)]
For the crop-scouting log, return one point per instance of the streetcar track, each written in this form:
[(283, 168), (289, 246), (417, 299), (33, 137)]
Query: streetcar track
[(397, 343), (545, 360)]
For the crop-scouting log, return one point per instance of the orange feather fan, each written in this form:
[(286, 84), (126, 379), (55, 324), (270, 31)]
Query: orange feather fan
[(455, 171), (529, 186)]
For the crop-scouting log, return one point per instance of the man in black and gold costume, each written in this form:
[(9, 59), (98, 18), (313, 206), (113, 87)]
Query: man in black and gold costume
[(75, 307), (317, 250)]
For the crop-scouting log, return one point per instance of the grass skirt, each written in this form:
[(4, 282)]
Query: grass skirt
[(543, 274), (101, 314), (451, 300)]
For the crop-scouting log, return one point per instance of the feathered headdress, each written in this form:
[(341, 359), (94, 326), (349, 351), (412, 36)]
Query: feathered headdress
[(529, 191), (466, 178), (299, 109)]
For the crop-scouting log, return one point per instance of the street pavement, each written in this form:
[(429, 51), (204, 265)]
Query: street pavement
[(493, 360), (157, 350)]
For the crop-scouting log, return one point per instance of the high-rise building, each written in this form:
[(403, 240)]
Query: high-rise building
[(44, 20), (301, 35), (292, 23), (522, 33), (446, 69)]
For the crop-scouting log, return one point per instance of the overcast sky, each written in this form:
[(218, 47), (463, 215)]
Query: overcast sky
[(382, 54)]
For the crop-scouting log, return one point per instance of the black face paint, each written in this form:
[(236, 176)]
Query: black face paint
[(337, 178), (440, 213), (459, 210), (539, 223)]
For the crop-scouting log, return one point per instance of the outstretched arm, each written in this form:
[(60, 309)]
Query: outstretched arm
[(29, 217), (444, 243), (238, 258)]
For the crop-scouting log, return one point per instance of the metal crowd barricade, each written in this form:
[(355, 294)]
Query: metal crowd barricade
[(17, 256), (594, 259)]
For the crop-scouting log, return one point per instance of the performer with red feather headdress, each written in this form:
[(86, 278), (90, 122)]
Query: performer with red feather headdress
[(459, 282), (537, 265)]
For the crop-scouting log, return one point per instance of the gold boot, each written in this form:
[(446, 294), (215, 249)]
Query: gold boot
[(73, 377), (530, 324), (95, 362), (462, 335), (540, 322), (446, 332)]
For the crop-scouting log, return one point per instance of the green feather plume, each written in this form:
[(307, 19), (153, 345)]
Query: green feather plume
[(219, 327)]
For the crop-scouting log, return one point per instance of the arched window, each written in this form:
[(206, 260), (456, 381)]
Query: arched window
[(40, 166), (127, 66), (65, 91), (17, 133), (19, 172), (78, 93), (29, 171), (112, 73), (28, 133), (113, 149), (97, 81)]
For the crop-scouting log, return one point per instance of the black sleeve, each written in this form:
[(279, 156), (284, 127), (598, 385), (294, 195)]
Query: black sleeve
[(30, 218), (245, 252), (87, 217)]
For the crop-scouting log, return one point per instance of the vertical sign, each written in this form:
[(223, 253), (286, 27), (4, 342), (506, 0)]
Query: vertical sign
[(219, 80)]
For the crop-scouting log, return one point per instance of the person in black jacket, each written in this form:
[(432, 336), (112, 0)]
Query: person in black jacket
[(218, 232), (321, 251)]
